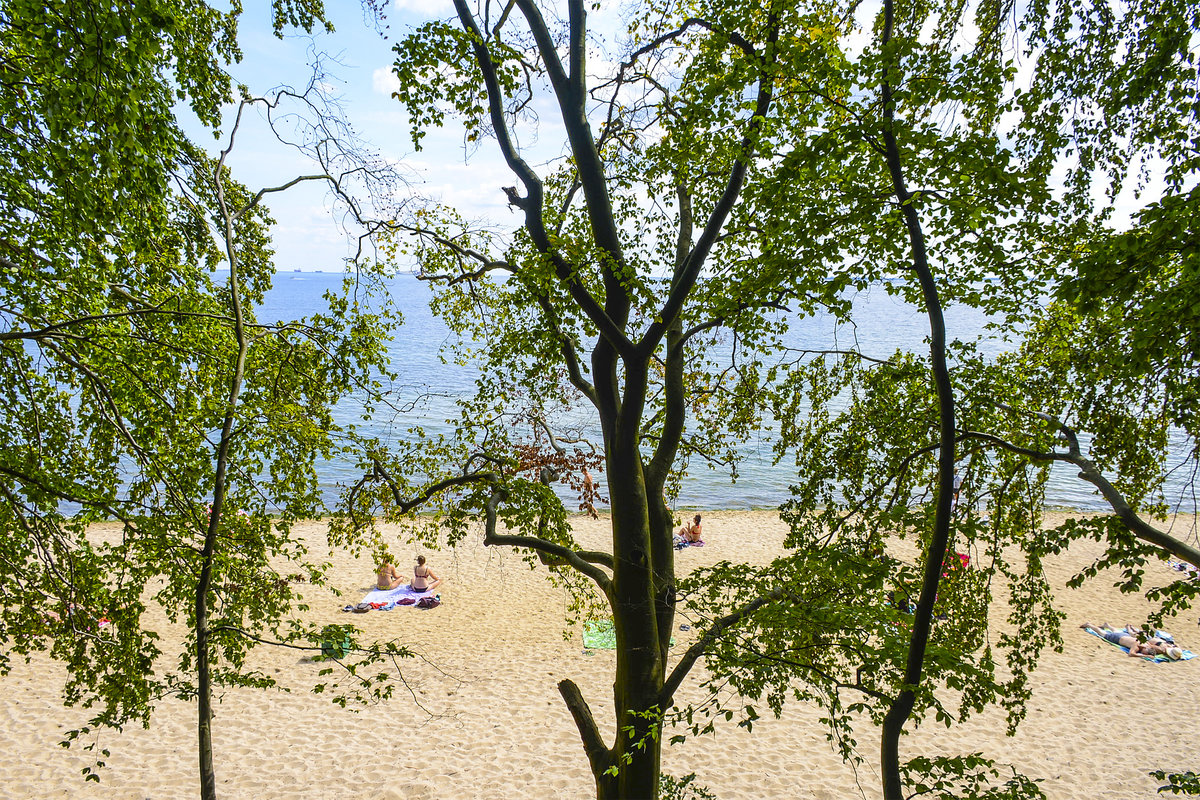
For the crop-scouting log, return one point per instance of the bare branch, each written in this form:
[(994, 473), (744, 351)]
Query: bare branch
[(583, 561), (258, 196), (734, 38), (408, 504), (598, 754)]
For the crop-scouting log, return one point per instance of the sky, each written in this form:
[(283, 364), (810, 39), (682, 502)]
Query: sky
[(357, 59)]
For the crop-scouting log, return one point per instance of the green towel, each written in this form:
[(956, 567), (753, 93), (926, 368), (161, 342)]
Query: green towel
[(598, 634)]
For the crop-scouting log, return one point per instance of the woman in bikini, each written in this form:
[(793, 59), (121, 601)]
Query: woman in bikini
[(423, 578), (387, 578), (691, 533), (1150, 648)]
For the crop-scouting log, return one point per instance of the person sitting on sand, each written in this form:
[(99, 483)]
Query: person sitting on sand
[(388, 578), (423, 578), (691, 532), (1150, 648)]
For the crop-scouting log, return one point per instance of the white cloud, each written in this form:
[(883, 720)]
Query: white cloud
[(425, 8), (384, 81)]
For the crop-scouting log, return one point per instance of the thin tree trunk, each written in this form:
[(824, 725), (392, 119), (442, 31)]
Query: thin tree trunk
[(902, 706), (208, 780), (208, 777)]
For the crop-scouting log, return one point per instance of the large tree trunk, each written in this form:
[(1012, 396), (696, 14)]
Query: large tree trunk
[(637, 689), (641, 666), (640, 597)]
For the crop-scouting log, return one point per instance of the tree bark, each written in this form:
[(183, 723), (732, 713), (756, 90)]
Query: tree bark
[(901, 708), (208, 780), (641, 660)]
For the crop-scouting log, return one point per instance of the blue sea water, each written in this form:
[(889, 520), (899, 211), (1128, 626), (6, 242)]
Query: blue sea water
[(884, 323)]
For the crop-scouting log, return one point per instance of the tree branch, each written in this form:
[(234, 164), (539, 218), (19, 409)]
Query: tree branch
[(692, 22), (486, 264), (1089, 472), (532, 204), (53, 330), (566, 347), (258, 196), (583, 561), (701, 645), (685, 278), (675, 401), (406, 505), (599, 756)]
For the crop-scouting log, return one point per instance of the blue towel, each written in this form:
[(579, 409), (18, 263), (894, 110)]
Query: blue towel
[(1187, 654)]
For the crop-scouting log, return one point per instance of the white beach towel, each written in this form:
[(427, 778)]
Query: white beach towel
[(391, 597)]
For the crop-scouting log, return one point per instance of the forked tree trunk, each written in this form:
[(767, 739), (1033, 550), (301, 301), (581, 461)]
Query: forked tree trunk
[(629, 766)]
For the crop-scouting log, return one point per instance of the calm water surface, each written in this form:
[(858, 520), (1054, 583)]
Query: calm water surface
[(884, 324)]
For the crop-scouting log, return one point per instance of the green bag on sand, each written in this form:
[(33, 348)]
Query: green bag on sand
[(335, 649)]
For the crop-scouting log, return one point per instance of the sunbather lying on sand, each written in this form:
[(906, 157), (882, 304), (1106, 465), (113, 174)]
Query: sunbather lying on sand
[(1153, 646)]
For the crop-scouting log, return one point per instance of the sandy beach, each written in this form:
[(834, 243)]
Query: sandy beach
[(479, 715)]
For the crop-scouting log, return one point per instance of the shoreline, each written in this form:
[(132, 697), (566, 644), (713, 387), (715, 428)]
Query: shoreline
[(605, 513), (479, 715)]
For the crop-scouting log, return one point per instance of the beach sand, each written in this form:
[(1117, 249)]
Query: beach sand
[(479, 715)]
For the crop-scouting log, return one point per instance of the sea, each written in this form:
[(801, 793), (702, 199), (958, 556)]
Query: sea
[(884, 323)]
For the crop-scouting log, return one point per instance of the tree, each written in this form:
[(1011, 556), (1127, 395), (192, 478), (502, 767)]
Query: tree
[(738, 162), (917, 184), (628, 320), (733, 97), (1100, 358), (137, 387)]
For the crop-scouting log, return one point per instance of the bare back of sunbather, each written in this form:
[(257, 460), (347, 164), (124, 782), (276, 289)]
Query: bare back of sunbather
[(423, 578), (387, 578)]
